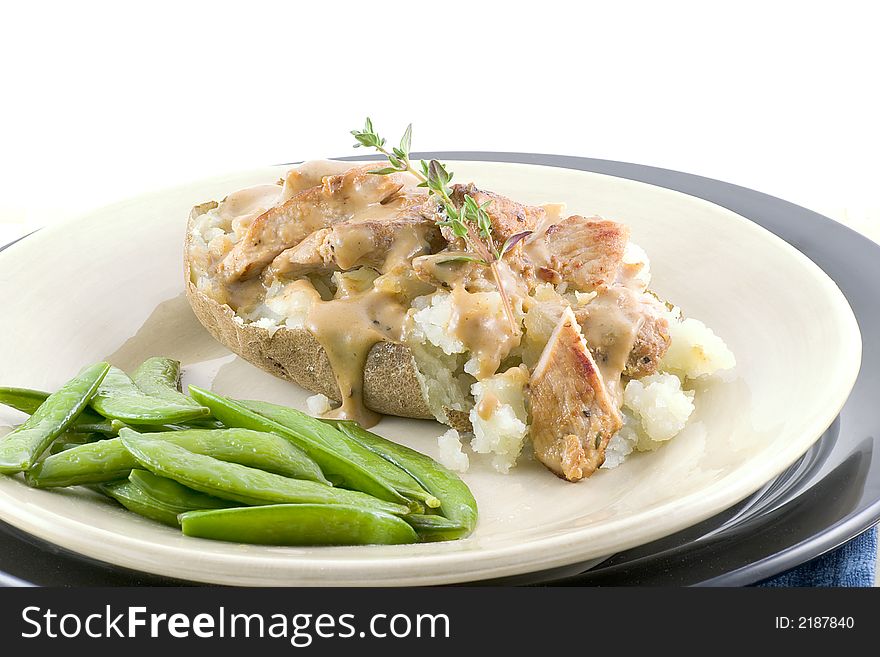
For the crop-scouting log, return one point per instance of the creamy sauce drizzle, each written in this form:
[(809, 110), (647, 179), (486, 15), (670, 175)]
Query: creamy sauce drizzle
[(488, 405), (482, 328), (535, 245), (242, 207), (611, 322), (347, 329), (610, 332), (348, 326), (309, 175)]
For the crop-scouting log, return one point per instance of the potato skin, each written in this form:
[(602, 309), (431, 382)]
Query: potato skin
[(391, 386)]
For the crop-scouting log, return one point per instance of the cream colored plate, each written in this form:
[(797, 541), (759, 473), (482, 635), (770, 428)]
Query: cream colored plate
[(109, 286)]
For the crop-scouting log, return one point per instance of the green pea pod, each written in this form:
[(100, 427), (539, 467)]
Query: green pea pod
[(457, 503), (23, 399), (20, 449), (174, 494), (118, 398), (256, 449), (159, 377), (432, 528), (91, 463), (311, 437), (28, 401), (103, 427), (239, 483), (299, 524), (109, 459), (299, 422), (134, 499)]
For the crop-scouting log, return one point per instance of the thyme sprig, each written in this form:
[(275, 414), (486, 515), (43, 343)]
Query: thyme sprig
[(468, 221)]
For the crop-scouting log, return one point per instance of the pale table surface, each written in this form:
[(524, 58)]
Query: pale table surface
[(13, 226)]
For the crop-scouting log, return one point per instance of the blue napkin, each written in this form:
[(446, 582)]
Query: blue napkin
[(852, 564)]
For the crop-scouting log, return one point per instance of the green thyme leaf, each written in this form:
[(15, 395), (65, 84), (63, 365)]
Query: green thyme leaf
[(462, 258), (368, 136), (406, 141)]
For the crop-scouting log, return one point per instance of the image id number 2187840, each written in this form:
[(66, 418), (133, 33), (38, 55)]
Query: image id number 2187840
[(815, 623)]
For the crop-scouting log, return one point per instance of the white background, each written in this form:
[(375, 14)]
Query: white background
[(99, 101)]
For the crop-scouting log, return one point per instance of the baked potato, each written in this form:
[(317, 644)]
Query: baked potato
[(353, 285)]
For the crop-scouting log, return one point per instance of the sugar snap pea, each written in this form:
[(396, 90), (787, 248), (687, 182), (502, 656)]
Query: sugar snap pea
[(118, 398), (103, 426), (28, 401), (25, 400), (236, 482), (158, 375), (159, 499), (134, 499), (299, 524), (299, 422), (109, 459), (435, 527), (21, 448), (311, 438), (257, 449), (90, 463), (160, 378), (457, 503), (174, 494)]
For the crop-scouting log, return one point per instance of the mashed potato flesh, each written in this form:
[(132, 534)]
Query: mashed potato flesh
[(499, 417), (451, 454), (695, 350)]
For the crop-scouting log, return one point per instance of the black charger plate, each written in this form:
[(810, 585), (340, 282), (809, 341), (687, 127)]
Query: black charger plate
[(827, 497)]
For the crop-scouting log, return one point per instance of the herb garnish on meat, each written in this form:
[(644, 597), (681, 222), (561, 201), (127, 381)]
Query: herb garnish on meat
[(468, 221)]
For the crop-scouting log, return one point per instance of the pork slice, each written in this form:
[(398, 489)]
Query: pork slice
[(447, 269), (586, 252), (337, 199), (651, 344), (572, 416), (507, 217), (311, 174), (368, 243), (313, 254)]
